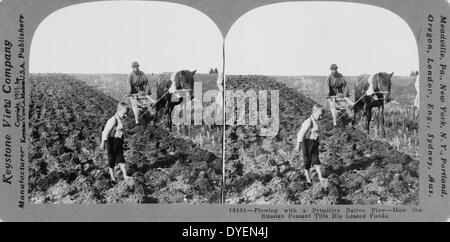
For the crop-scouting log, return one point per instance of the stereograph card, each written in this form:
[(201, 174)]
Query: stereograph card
[(224, 111)]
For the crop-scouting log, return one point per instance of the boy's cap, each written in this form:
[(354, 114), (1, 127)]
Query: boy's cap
[(318, 107), (333, 67), (135, 64), (122, 105)]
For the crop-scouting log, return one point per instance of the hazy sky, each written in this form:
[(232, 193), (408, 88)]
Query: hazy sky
[(105, 37), (305, 38), (280, 39)]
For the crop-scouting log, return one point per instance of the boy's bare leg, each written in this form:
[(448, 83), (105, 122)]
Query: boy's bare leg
[(124, 171), (111, 174), (307, 175), (319, 172)]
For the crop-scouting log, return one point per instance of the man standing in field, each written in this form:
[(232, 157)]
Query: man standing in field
[(139, 90), (338, 93)]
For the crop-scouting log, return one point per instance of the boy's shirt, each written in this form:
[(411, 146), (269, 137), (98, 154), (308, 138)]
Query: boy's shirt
[(113, 128), (310, 125)]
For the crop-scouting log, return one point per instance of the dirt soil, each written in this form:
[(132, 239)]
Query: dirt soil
[(267, 170), (66, 165)]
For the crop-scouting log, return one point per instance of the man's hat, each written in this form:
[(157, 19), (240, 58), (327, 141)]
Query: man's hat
[(333, 67), (135, 64)]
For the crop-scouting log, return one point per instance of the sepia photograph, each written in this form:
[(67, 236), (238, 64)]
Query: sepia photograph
[(347, 79), (126, 101)]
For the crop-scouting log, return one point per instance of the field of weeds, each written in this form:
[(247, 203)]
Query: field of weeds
[(266, 170), (66, 120)]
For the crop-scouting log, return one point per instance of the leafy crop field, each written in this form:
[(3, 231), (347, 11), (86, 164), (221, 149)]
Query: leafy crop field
[(266, 170), (401, 126), (66, 166)]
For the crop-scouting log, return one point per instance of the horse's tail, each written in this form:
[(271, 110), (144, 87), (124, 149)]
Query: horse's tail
[(161, 90), (359, 90), (161, 84), (359, 86)]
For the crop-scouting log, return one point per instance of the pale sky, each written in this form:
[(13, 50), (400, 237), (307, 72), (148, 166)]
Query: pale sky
[(279, 39), (105, 37), (305, 38)]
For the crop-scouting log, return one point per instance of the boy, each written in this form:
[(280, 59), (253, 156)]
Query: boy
[(308, 141), (112, 137)]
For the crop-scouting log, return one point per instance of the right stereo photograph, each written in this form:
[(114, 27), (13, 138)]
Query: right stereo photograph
[(321, 106)]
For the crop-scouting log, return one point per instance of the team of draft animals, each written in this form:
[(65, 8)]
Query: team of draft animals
[(371, 91)]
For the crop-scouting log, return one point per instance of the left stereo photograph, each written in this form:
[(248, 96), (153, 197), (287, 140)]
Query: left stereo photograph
[(126, 105)]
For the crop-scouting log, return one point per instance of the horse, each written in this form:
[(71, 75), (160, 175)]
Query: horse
[(380, 83), (167, 84)]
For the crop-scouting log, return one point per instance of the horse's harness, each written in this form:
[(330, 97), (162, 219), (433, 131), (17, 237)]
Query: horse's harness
[(362, 96), (152, 105)]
